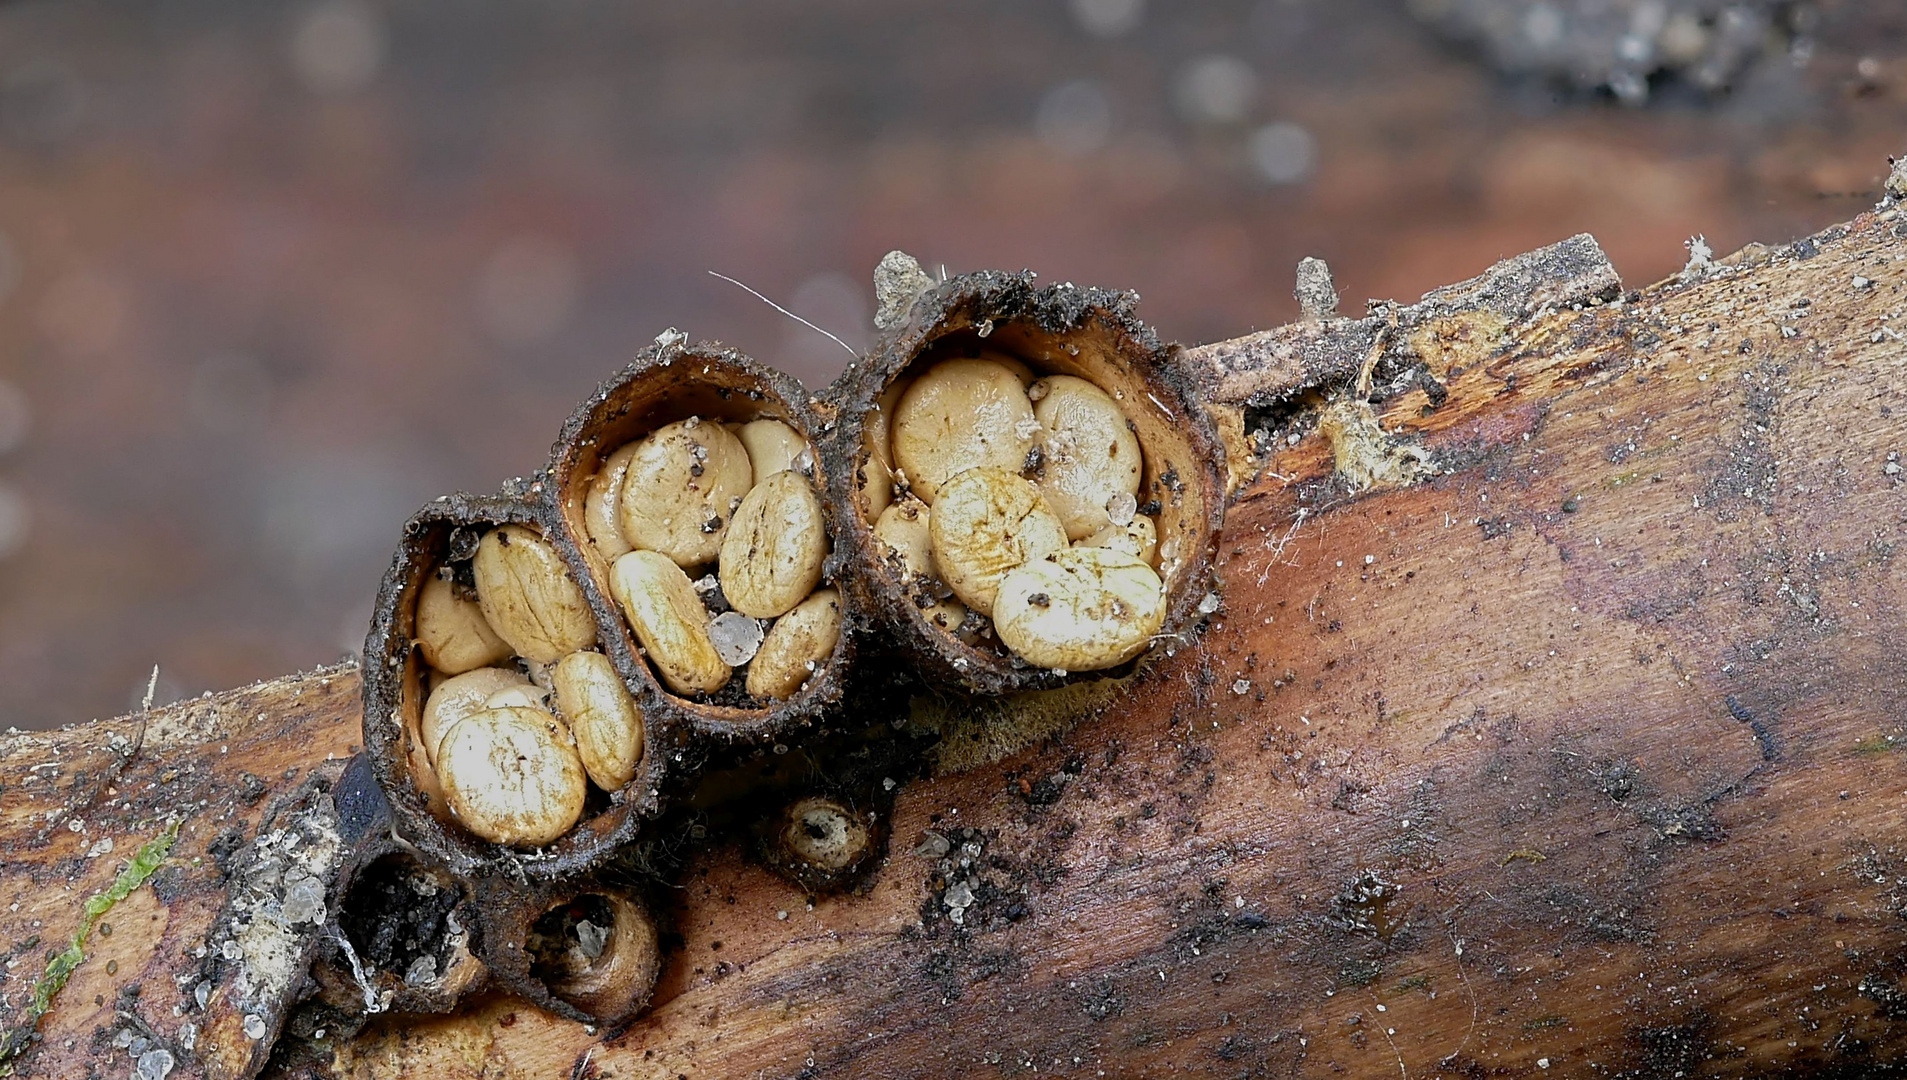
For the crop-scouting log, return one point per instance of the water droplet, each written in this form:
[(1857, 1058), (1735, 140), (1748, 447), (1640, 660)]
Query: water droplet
[(1216, 89), (155, 1064), (1108, 18), (1074, 118), (736, 637)]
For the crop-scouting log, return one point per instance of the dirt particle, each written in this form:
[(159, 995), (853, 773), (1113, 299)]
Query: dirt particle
[(250, 788)]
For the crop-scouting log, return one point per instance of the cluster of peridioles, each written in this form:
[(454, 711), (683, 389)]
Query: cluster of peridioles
[(1013, 491)]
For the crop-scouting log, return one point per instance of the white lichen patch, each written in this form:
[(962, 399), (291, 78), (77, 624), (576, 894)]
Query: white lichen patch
[(275, 914), (284, 902)]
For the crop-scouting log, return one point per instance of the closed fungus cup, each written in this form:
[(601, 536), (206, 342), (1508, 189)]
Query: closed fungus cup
[(1027, 490), (696, 498), (501, 735)]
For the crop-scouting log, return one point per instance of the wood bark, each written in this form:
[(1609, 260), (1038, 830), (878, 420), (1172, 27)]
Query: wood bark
[(1571, 745)]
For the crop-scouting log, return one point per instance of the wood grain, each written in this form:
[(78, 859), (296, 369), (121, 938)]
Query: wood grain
[(1583, 757)]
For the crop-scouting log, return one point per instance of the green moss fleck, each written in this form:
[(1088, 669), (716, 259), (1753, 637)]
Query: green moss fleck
[(1415, 982), (150, 856), (1360, 973), (1874, 747)]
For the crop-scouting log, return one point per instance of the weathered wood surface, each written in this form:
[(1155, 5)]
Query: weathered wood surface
[(1581, 757)]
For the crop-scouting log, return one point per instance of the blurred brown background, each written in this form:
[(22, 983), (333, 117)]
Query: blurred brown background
[(272, 275)]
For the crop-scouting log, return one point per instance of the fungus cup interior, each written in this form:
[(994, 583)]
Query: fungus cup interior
[(405, 680), (597, 952), (402, 919), (713, 386), (1172, 489)]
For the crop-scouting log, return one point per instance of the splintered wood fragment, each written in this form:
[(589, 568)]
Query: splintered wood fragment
[(1577, 750), (1268, 366)]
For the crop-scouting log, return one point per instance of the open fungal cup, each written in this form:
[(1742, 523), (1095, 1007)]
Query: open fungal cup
[(694, 490), (411, 927), (582, 948), (500, 731), (821, 842), (1029, 492)]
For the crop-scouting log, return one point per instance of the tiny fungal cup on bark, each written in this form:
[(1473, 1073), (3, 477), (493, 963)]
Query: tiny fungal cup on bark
[(695, 492), (999, 431), (484, 764), (410, 926), (583, 948), (820, 842)]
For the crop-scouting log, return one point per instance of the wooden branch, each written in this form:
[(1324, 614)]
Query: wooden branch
[(1570, 747)]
